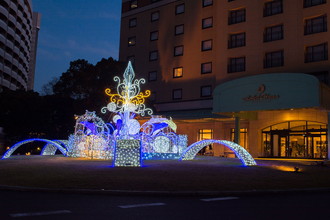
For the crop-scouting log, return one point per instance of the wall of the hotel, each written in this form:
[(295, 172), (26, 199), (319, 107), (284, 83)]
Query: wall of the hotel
[(293, 43)]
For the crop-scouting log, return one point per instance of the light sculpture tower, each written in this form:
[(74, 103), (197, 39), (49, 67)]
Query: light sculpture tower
[(127, 102)]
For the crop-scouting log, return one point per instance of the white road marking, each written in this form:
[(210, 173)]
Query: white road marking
[(17, 215), (219, 199), (141, 205)]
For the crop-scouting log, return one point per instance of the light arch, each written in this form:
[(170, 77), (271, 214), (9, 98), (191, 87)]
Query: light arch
[(50, 149), (17, 145), (239, 151)]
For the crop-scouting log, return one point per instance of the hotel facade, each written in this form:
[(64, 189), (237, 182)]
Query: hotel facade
[(19, 27), (254, 72)]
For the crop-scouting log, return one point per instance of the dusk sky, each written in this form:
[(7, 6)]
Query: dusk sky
[(74, 29)]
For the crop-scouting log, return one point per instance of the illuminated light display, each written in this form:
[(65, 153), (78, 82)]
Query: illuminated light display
[(128, 101), (17, 145), (125, 141), (239, 151), (49, 149), (127, 153), (92, 138)]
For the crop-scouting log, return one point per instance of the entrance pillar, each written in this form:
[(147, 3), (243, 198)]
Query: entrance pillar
[(237, 130), (328, 136)]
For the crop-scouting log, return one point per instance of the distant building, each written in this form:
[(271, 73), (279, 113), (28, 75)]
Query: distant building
[(256, 72), (19, 27)]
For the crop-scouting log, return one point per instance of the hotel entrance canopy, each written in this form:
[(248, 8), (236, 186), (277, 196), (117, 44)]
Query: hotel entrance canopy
[(273, 91)]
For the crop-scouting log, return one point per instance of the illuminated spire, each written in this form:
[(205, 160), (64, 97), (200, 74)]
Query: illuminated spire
[(129, 97)]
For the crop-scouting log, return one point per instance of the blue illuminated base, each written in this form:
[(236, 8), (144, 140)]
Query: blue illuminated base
[(160, 156)]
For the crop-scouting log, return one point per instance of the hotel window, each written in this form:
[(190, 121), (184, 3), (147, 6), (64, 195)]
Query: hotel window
[(273, 33), (236, 40), (207, 3), (179, 9), (206, 45), (207, 22), (236, 64), (236, 16), (206, 91), (316, 25), (133, 4), (177, 72), (273, 7), (152, 76), (177, 94), (274, 59), (153, 55), (154, 35), (132, 22), (310, 3), (131, 41), (205, 134), (155, 16), (178, 51), (206, 68), (316, 53), (179, 29), (243, 136)]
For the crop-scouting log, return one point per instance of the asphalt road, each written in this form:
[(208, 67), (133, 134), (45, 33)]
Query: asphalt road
[(48, 205)]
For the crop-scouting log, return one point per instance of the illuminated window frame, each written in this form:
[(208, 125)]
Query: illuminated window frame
[(133, 4), (177, 72), (243, 137), (131, 41)]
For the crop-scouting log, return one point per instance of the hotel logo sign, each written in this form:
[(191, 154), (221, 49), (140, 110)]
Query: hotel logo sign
[(261, 95)]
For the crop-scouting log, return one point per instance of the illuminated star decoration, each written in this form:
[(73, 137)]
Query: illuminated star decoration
[(129, 97)]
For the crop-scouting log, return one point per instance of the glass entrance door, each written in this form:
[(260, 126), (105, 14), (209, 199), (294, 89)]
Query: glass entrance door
[(296, 139)]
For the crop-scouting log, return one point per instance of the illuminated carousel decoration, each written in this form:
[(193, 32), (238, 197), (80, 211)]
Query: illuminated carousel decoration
[(91, 139), (124, 140)]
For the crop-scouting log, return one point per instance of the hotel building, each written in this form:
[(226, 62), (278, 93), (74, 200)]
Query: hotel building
[(19, 27), (254, 72)]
